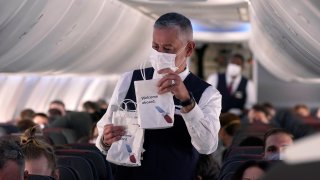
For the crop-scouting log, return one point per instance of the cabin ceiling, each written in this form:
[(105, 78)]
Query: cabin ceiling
[(103, 37), (213, 20)]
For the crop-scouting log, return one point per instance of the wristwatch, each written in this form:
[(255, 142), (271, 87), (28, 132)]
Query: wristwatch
[(188, 101)]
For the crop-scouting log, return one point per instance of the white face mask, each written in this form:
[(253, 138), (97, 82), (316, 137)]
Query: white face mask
[(161, 60), (273, 156), (233, 70)]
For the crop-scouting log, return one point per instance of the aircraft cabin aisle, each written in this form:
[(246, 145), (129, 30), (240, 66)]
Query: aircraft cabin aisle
[(77, 50)]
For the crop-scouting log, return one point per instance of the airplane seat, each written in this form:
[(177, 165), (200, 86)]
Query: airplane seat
[(246, 150), (68, 173), (100, 168), (293, 124), (60, 136), (39, 177), (250, 130), (231, 164), (9, 128), (78, 163)]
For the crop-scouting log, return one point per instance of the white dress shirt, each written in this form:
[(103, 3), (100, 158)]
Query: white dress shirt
[(250, 89), (202, 121)]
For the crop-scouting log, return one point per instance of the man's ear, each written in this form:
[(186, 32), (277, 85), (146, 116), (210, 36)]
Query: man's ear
[(190, 47), (25, 174)]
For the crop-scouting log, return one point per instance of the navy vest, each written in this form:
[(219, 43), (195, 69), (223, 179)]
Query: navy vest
[(235, 100), (169, 153)]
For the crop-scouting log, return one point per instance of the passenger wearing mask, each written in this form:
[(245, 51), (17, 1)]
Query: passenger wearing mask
[(41, 119), (238, 93), (275, 142)]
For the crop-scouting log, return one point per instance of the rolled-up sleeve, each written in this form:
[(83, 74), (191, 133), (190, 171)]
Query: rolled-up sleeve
[(203, 121)]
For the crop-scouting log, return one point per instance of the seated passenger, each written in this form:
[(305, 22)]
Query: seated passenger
[(270, 108), (39, 156), (275, 142), (41, 119), (304, 113), (230, 124), (25, 124), (207, 168), (11, 160), (26, 114), (251, 170), (58, 104), (259, 114), (93, 109)]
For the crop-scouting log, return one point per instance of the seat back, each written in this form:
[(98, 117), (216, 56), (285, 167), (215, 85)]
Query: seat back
[(9, 128), (111, 168), (250, 130), (236, 150), (60, 136), (68, 173), (80, 164), (231, 164), (39, 177), (101, 170)]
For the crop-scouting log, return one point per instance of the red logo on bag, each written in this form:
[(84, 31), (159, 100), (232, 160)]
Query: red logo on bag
[(164, 114)]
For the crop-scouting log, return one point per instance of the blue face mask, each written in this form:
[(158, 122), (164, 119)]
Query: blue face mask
[(273, 156)]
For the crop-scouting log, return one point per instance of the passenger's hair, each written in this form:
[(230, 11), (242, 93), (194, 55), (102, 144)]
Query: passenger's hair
[(58, 102), (175, 20), (226, 118), (10, 150), (27, 114), (274, 131), (268, 105), (91, 105), (261, 108), (34, 148), (264, 165), (207, 167), (230, 122), (298, 106), (25, 124)]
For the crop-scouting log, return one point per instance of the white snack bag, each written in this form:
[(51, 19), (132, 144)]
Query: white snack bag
[(155, 111), (127, 151)]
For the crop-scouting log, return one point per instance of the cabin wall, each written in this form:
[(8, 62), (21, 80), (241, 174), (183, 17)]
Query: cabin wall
[(285, 94)]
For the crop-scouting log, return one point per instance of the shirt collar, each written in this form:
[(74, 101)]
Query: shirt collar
[(184, 73)]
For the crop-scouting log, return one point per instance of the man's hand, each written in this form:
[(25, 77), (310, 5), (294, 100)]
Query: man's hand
[(172, 82), (112, 133)]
